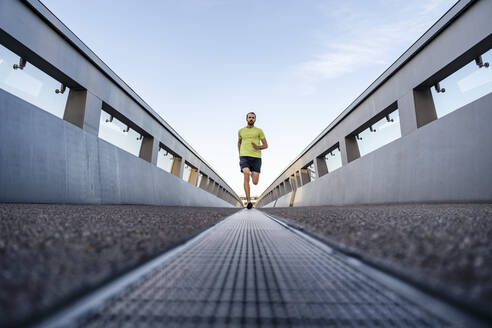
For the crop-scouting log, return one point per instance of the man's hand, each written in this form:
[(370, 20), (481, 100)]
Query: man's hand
[(255, 146)]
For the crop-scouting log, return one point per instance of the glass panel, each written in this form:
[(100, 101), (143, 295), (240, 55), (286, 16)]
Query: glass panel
[(287, 185), (463, 86), (186, 172), (199, 179), (117, 133), (333, 160), (281, 188), (311, 172), (31, 84), (165, 160), (293, 181), (384, 132)]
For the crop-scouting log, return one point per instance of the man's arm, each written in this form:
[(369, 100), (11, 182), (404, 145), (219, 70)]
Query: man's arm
[(239, 145), (264, 144)]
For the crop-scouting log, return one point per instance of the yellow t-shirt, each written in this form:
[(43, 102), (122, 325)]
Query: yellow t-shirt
[(248, 135)]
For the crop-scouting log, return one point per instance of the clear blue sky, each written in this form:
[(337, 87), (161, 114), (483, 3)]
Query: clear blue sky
[(202, 65)]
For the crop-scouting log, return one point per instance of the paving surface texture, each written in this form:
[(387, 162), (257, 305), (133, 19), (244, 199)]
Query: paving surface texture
[(49, 253), (448, 246), (251, 271)]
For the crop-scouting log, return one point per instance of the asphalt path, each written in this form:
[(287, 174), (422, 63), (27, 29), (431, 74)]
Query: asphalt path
[(52, 254), (446, 247)]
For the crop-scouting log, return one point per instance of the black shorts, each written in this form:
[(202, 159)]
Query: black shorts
[(253, 163)]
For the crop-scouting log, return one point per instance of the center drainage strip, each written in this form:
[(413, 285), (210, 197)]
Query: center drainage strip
[(250, 270)]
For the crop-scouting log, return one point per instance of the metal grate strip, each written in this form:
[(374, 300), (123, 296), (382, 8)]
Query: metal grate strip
[(252, 271)]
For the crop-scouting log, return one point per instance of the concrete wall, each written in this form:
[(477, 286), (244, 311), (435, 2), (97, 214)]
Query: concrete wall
[(390, 174), (44, 159)]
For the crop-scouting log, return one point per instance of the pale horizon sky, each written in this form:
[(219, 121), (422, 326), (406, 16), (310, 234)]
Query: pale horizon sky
[(202, 65)]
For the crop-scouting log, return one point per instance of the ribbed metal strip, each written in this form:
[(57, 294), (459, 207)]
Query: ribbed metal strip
[(251, 271)]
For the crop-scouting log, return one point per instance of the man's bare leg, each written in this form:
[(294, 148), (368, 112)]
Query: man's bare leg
[(246, 173), (256, 177)]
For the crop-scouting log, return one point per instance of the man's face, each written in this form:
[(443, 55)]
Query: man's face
[(251, 119)]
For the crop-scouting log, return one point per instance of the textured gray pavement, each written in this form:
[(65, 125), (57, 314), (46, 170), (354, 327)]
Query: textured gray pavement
[(447, 246), (51, 253), (251, 271)]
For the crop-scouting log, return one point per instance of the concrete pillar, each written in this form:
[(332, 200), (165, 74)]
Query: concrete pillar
[(320, 166), (282, 189), (349, 150), (424, 106), (177, 167), (193, 176), (292, 180), (210, 186), (416, 108), (204, 182), (305, 176), (294, 189), (83, 109), (287, 186), (149, 149), (298, 180)]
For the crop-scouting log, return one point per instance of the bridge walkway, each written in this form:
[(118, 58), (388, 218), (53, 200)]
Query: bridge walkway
[(251, 270)]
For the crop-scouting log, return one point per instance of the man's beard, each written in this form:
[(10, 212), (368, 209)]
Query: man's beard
[(251, 123)]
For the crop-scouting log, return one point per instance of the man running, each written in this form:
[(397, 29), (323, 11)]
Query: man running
[(250, 152)]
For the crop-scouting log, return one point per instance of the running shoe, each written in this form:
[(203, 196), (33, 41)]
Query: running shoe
[(250, 205)]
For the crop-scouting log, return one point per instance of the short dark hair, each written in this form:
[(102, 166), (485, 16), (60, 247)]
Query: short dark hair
[(250, 113)]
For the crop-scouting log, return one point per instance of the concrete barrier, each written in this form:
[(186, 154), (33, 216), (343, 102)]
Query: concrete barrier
[(44, 159), (448, 160)]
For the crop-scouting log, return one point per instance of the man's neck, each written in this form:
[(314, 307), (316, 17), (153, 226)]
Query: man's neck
[(250, 126)]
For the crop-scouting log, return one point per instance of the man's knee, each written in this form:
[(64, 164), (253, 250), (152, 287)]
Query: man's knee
[(246, 175), (255, 182)]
